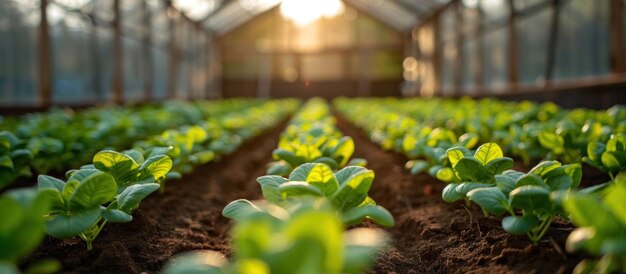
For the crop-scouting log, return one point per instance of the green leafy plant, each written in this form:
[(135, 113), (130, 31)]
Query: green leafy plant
[(303, 237), (472, 172), (106, 191), (602, 228), (430, 146), (14, 161), (312, 137), (532, 199), (609, 157), (22, 230), (346, 190)]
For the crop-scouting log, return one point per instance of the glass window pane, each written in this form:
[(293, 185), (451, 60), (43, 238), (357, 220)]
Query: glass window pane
[(72, 57), (583, 34), (532, 46), (496, 61), (19, 22)]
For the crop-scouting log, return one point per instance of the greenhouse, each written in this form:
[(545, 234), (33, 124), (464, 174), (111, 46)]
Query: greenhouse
[(312, 136)]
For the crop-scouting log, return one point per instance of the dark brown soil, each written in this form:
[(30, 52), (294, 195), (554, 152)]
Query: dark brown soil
[(432, 236), (187, 216)]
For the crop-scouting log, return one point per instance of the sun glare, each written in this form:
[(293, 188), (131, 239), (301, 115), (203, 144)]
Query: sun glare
[(303, 13)]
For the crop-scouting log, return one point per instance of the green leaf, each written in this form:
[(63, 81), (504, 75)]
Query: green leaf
[(239, 208), (617, 143), (81, 174), (49, 182), (63, 226), (505, 183), (279, 168), (449, 193), (116, 215), (377, 214), (595, 150), (346, 172), (454, 155), (612, 160), (202, 157), (488, 152), (130, 198), (470, 169), (353, 191), (615, 201), (288, 156), (122, 167), (343, 150), (446, 174), (308, 152), (135, 154), (587, 210), (298, 188), (357, 162), (531, 198), (318, 175), (518, 225), (499, 165), (544, 167), (157, 166), (560, 182), (6, 162), (530, 179), (97, 189), (464, 188), (491, 199), (270, 186), (330, 162), (551, 141)]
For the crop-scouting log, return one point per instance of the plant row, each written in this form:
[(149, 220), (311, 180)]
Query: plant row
[(63, 139), (530, 200), (300, 226), (110, 188)]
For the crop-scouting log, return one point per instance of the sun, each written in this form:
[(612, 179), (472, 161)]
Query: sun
[(305, 12)]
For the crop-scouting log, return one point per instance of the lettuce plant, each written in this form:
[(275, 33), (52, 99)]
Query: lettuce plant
[(609, 157), (305, 237), (22, 230), (532, 199), (14, 160), (346, 190), (331, 151), (470, 172), (430, 145), (106, 191), (602, 228)]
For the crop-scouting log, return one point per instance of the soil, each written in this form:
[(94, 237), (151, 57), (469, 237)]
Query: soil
[(430, 236)]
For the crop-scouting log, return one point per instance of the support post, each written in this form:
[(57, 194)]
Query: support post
[(617, 46), (45, 58), (512, 65), (118, 88), (554, 32), (148, 65)]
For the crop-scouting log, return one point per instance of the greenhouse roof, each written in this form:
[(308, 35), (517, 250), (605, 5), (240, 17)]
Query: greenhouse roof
[(223, 16)]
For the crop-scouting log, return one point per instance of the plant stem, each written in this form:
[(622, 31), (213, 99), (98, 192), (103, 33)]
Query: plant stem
[(543, 228)]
